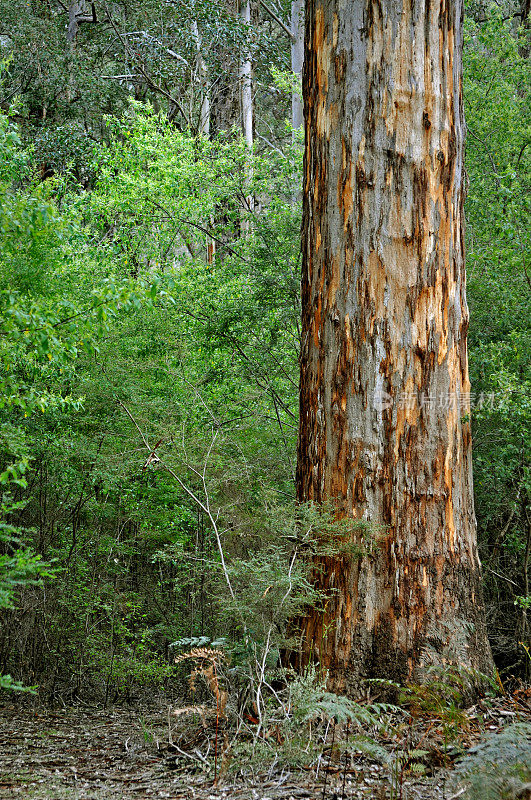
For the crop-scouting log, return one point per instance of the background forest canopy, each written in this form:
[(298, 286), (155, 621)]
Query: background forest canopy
[(149, 336)]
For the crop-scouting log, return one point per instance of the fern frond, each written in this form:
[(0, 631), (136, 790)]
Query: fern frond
[(201, 653), (499, 767)]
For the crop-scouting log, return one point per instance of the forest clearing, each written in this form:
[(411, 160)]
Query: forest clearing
[(265, 521)]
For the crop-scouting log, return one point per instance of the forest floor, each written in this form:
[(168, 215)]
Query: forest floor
[(82, 753)]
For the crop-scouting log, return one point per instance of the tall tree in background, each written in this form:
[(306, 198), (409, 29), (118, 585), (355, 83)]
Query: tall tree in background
[(384, 424), (297, 58), (246, 78)]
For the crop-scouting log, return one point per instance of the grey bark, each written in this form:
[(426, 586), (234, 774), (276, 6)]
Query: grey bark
[(204, 88), (297, 58)]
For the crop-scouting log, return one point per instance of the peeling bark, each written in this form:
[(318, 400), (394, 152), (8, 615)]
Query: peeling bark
[(385, 318)]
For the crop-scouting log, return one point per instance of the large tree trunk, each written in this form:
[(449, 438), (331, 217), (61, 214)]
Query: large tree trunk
[(384, 423)]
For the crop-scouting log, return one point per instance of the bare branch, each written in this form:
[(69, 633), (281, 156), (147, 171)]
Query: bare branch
[(203, 505), (150, 82), (277, 20)]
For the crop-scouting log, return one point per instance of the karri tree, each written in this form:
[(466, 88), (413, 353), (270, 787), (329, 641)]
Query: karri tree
[(385, 395)]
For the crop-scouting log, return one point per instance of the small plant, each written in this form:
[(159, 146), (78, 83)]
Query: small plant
[(442, 697), (523, 602), (310, 702), (439, 701), (147, 732), (208, 661), (313, 714), (499, 768)]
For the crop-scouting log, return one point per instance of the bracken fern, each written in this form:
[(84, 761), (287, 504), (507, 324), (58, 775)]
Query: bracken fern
[(499, 768)]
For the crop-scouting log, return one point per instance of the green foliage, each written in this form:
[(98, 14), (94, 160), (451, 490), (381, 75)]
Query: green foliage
[(141, 51), (498, 159), (310, 701), (51, 312), (28, 235), (287, 82), (148, 325), (7, 683), (139, 370), (499, 767)]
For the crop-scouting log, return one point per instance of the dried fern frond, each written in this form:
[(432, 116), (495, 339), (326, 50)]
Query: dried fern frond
[(177, 712), (200, 710), (201, 653), (211, 679), (209, 673), (221, 695)]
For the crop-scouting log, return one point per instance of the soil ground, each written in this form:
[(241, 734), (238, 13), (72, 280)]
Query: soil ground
[(83, 753)]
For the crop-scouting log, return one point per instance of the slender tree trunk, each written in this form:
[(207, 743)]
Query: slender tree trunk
[(525, 44), (247, 83), (297, 58), (246, 77), (225, 101), (202, 71), (79, 11), (385, 406), (74, 10), (204, 120)]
